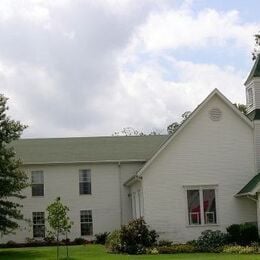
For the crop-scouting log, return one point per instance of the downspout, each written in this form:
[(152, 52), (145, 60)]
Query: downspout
[(120, 191)]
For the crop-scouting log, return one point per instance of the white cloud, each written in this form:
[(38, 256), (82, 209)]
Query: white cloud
[(93, 67), (172, 29)]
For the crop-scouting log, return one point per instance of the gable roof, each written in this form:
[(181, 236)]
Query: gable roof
[(87, 149), (255, 72), (194, 113), (248, 189)]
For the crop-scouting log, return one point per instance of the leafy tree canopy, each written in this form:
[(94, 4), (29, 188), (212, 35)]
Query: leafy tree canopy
[(12, 179)]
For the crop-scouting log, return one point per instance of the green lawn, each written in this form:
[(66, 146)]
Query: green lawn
[(99, 252)]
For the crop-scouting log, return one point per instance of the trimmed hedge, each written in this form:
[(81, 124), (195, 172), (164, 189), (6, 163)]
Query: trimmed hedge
[(243, 234)]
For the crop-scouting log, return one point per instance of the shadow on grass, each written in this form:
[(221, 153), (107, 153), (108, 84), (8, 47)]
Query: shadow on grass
[(20, 255)]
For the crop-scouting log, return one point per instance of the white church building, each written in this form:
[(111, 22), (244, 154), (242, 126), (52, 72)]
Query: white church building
[(204, 176)]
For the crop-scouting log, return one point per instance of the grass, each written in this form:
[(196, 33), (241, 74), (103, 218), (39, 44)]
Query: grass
[(97, 252)]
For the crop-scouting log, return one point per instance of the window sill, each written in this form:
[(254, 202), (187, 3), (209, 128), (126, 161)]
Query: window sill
[(204, 225), (37, 196)]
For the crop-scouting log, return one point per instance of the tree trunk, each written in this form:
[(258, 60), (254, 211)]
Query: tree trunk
[(67, 248), (57, 246)]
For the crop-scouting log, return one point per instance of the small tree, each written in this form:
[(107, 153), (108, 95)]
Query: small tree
[(12, 179), (59, 222)]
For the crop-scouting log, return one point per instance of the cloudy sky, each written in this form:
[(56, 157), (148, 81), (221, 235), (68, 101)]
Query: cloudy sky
[(93, 67)]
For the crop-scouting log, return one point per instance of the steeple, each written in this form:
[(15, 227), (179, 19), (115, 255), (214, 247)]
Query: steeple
[(252, 85)]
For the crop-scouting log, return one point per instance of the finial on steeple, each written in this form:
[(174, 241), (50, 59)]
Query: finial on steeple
[(256, 50)]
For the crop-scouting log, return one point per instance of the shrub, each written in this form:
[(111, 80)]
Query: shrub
[(152, 251), (211, 241), (164, 243), (79, 241), (113, 241), (243, 234), (178, 248), (49, 240), (240, 249), (11, 243), (248, 233), (34, 242), (233, 233), (136, 237), (101, 238)]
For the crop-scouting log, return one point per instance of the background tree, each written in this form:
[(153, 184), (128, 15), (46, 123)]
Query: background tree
[(59, 222), (171, 129), (256, 50), (12, 179), (130, 131), (241, 107)]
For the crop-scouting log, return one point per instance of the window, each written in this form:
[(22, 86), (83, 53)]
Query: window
[(194, 207), (133, 205), (37, 183), (201, 206), (84, 182), (38, 224), (250, 96), (86, 223)]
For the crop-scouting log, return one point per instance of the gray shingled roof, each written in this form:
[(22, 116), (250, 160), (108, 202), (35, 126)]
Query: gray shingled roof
[(249, 187), (87, 149), (255, 72)]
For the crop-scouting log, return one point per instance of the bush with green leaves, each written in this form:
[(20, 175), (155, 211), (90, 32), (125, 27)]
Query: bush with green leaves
[(101, 238), (133, 238), (243, 234), (237, 249), (211, 241), (136, 237), (177, 249), (113, 242), (164, 242), (79, 241)]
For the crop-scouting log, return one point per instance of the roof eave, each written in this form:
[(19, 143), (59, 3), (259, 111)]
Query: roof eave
[(85, 162), (132, 180)]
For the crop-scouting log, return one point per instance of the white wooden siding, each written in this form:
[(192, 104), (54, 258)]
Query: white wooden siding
[(204, 153), (63, 181)]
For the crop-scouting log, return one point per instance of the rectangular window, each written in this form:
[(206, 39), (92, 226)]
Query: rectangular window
[(37, 183), (194, 207), (84, 182), (133, 205), (209, 204), (38, 224), (202, 206), (86, 222), (250, 96)]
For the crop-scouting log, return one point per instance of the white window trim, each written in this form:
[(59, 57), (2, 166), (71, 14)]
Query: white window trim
[(37, 224), (38, 196), (201, 188), (86, 222), (250, 101), (85, 194), (133, 205)]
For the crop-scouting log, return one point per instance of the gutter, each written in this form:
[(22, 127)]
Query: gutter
[(132, 180), (85, 162)]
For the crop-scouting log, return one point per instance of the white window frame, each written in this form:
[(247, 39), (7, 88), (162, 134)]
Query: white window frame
[(86, 222), (88, 180), (201, 188), (133, 196), (37, 183), (250, 96), (38, 224)]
